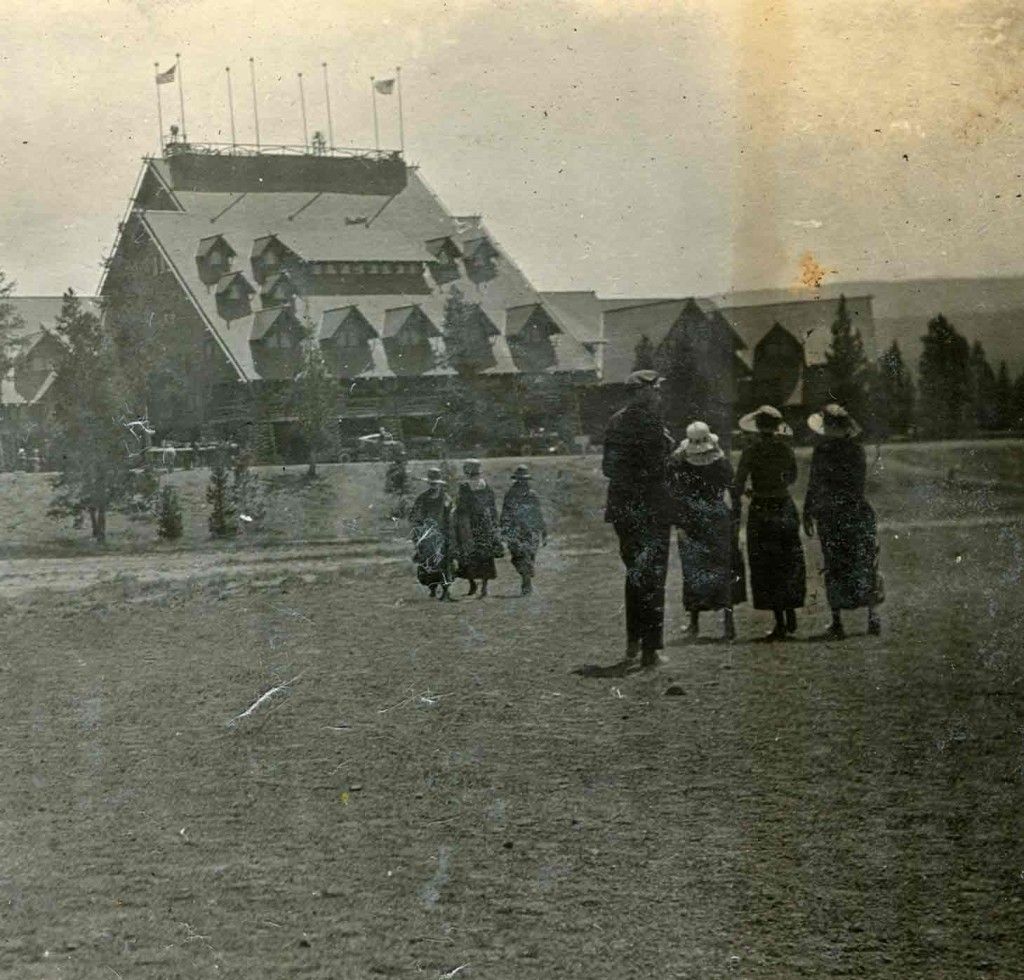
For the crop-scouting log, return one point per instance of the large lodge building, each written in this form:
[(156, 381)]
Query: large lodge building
[(226, 260)]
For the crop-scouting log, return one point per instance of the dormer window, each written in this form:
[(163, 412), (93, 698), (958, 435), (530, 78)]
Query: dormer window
[(277, 289), (479, 257), (213, 258), (269, 255), (530, 324), (444, 268), (232, 293)]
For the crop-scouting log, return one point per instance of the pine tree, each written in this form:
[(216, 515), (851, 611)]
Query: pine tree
[(1003, 397), (461, 338), (643, 359), (894, 392), (94, 473), (168, 515), (467, 407), (1016, 418), (846, 366), (982, 389), (246, 495), (222, 520), (944, 380), (10, 324), (315, 396)]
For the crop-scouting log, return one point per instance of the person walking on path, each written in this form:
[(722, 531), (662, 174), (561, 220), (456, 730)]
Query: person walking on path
[(846, 523), (713, 572), (476, 529), (778, 575), (636, 452), (431, 520), (522, 526)]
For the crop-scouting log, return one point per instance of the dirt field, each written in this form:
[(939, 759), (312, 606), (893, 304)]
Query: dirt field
[(436, 788)]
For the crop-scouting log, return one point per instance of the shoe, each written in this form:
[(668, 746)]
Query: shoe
[(527, 587), (778, 634), (433, 592), (874, 627), (446, 596), (790, 620), (649, 659), (831, 635), (632, 650), (472, 587)]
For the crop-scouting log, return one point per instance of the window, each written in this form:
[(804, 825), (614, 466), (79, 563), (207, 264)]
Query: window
[(270, 258), (350, 336)]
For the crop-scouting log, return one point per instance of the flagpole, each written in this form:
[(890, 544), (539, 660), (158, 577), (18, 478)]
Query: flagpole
[(327, 97), (376, 127), (401, 122), (255, 105), (181, 99), (302, 102), (231, 108), (159, 105)]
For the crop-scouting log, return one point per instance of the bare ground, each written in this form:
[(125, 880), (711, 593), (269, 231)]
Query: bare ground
[(440, 789)]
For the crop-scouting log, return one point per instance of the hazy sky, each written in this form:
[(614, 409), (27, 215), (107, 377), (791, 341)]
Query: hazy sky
[(683, 146)]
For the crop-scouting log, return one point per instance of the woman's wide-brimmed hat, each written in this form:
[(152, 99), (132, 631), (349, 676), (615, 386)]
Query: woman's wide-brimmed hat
[(471, 467), (521, 473), (833, 420), (767, 418), (435, 476), (700, 446), (644, 379)]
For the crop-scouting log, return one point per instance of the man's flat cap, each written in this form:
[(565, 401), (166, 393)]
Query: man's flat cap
[(644, 379)]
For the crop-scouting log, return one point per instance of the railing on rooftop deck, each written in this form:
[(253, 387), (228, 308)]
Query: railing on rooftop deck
[(288, 149)]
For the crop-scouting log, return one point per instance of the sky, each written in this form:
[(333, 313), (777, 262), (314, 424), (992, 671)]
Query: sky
[(635, 148)]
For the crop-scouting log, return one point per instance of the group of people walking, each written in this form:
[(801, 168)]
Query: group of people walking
[(655, 485), (462, 538)]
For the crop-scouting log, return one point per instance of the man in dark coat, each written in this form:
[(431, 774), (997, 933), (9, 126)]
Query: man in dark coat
[(636, 451)]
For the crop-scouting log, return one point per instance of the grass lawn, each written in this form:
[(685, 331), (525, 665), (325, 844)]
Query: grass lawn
[(440, 789)]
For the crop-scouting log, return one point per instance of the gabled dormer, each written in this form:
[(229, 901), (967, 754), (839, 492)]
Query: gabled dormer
[(278, 289), (233, 294), (276, 343), (345, 328), (346, 337), (411, 340), (213, 258), (444, 267), (530, 323), (277, 328), (778, 366), (479, 256), (409, 326), (270, 256)]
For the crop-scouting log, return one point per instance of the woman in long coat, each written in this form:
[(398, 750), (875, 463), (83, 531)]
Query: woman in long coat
[(522, 526), (476, 529), (778, 575), (713, 576), (846, 522), (431, 520)]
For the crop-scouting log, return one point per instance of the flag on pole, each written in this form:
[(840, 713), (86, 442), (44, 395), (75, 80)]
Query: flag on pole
[(166, 77), (384, 85)]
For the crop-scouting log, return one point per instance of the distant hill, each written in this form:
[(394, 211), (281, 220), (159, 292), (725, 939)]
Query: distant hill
[(989, 310)]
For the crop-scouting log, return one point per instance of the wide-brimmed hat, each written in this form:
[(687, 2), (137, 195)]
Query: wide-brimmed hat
[(700, 446), (435, 476), (644, 379), (521, 472), (767, 418), (833, 420), (471, 467)]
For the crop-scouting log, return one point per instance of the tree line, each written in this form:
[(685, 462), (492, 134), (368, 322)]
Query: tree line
[(957, 392)]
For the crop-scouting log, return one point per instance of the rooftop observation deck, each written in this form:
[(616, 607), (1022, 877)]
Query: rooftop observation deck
[(242, 167)]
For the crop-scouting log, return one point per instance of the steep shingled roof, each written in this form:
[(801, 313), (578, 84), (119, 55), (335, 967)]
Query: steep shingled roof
[(345, 227)]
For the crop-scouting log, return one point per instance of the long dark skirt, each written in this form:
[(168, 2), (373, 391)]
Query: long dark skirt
[(849, 546), (709, 551), (778, 575), (433, 566)]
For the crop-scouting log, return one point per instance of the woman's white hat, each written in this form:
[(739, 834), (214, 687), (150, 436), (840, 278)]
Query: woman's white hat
[(471, 467), (833, 420), (700, 446), (767, 418)]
